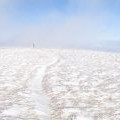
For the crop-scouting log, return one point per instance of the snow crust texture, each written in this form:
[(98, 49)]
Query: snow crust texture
[(44, 84), (21, 75), (84, 85)]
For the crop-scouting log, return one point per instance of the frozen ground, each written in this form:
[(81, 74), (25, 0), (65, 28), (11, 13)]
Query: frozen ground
[(44, 84), (21, 75)]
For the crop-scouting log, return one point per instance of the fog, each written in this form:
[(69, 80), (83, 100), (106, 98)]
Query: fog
[(70, 26)]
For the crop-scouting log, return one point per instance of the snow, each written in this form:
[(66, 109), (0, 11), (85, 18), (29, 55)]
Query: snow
[(45, 84), (35, 85), (21, 76), (91, 85), (81, 118), (13, 111)]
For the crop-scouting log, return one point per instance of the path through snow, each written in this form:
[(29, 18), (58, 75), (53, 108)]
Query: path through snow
[(81, 85), (21, 75), (38, 95)]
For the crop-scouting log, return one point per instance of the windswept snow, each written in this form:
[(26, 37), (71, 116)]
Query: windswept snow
[(84, 85), (44, 84), (21, 93)]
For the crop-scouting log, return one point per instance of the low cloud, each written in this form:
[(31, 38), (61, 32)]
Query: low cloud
[(58, 29)]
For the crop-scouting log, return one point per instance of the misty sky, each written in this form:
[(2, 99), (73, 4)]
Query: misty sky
[(60, 23)]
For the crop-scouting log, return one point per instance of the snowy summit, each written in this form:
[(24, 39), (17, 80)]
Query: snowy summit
[(54, 84)]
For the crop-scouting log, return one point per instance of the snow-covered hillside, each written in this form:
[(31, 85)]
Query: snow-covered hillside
[(84, 85), (21, 74), (46, 84)]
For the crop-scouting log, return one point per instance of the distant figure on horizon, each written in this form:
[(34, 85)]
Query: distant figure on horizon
[(33, 45)]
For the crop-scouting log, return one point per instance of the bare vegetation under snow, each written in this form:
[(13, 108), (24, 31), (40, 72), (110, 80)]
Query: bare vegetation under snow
[(44, 84)]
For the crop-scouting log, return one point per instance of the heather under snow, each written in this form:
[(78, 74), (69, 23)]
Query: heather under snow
[(49, 84)]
